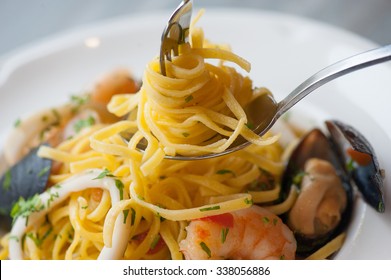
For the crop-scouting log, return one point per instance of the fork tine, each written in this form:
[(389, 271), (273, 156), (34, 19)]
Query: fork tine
[(175, 33), (168, 55)]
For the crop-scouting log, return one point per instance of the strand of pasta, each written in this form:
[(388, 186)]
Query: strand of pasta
[(239, 202), (286, 205), (328, 249), (49, 200)]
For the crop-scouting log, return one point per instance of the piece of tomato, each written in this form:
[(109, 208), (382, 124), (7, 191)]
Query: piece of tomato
[(226, 220), (156, 247), (362, 159)]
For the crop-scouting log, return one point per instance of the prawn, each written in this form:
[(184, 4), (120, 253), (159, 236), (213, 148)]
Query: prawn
[(252, 233)]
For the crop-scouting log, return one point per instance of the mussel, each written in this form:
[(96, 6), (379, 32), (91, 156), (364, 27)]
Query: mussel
[(325, 171), (360, 162), (26, 178)]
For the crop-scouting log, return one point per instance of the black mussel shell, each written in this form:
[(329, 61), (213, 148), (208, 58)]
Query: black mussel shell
[(316, 145), (361, 162), (26, 178)]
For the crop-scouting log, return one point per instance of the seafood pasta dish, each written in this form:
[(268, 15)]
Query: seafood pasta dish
[(90, 179)]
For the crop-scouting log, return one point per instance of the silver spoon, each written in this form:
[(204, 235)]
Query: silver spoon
[(264, 111)]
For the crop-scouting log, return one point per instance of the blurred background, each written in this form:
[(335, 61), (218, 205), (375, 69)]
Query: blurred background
[(26, 21)]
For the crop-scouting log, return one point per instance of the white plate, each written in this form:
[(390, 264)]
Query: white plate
[(283, 50)]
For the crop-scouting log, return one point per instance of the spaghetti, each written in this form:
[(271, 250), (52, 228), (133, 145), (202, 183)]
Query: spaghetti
[(109, 200)]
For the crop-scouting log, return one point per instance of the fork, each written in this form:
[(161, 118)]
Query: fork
[(175, 33)]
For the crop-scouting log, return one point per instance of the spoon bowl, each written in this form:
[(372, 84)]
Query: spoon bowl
[(264, 110)]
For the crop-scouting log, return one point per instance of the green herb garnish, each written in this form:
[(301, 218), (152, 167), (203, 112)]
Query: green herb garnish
[(206, 249), (7, 180), (350, 165), (14, 237), (298, 178), (216, 207), (51, 198), (132, 216), (120, 186), (265, 220), (57, 117), (24, 208), (155, 242), (189, 98), (79, 100), (225, 171), (185, 134), (126, 213), (43, 171), (83, 123), (17, 123), (37, 239), (250, 126), (103, 174), (248, 201), (224, 233)]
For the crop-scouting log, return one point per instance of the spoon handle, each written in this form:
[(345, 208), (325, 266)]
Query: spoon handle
[(338, 69)]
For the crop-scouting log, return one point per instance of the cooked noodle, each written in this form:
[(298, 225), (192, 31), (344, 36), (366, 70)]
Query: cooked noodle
[(108, 200)]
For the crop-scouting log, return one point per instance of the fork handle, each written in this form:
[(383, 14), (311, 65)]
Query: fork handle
[(338, 69)]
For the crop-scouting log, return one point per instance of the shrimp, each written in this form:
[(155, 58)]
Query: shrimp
[(252, 233), (117, 82)]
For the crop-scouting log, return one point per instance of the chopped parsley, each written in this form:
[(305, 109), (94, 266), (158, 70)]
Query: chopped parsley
[(57, 117), (224, 233), (24, 208), (126, 213), (189, 98), (120, 187), (37, 239), (250, 126), (132, 216), (17, 123), (216, 207), (155, 242), (51, 198), (298, 178), (7, 180), (248, 201), (206, 249), (350, 166), (225, 171), (43, 171), (79, 100), (275, 221), (265, 220), (70, 234), (103, 174), (83, 123), (186, 134), (13, 237)]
